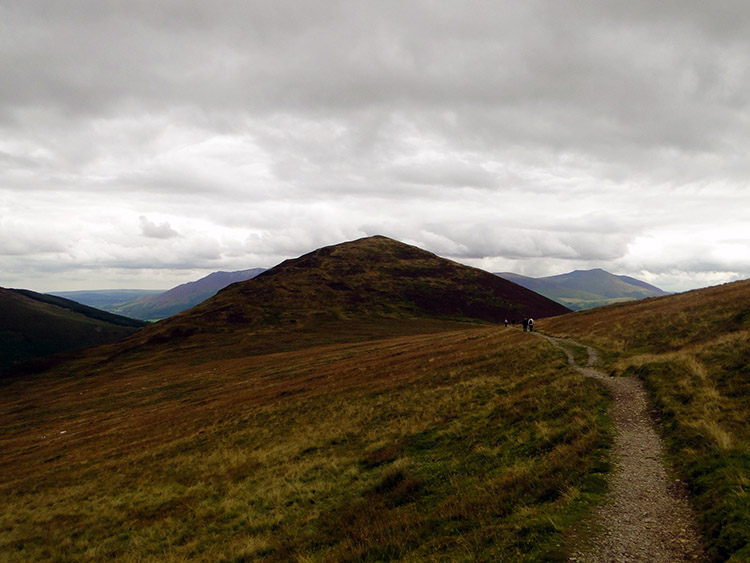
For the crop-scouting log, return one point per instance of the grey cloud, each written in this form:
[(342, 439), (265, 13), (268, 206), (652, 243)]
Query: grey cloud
[(20, 239), (443, 172), (535, 75), (540, 132), (152, 230)]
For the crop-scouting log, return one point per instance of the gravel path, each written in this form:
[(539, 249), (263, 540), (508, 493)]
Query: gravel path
[(647, 517)]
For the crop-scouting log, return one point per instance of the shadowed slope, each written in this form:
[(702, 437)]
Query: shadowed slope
[(33, 325), (380, 277)]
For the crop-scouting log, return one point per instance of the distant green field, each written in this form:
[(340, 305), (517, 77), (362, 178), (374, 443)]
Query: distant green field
[(112, 300)]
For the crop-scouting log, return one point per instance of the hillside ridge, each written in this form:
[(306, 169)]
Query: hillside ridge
[(382, 275), (417, 442), (691, 350), (35, 325)]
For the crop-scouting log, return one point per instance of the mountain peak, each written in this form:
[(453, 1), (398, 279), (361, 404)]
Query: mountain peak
[(370, 281), (583, 289)]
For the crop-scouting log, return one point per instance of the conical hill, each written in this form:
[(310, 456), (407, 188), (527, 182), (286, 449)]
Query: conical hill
[(374, 280)]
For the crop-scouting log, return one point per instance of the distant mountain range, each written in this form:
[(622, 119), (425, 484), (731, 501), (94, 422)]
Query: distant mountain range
[(156, 305), (34, 325), (581, 289), (585, 289)]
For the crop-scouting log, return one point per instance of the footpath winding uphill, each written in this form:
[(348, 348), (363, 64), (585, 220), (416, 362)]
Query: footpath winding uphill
[(647, 517)]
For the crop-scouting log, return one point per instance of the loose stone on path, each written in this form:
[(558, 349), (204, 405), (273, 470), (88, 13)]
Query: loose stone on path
[(647, 516)]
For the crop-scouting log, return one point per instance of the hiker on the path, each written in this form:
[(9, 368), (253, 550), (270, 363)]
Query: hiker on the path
[(506, 322), (531, 325), (525, 323)]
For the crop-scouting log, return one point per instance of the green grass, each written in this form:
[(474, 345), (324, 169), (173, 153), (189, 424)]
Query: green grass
[(692, 352), (462, 446), (703, 398)]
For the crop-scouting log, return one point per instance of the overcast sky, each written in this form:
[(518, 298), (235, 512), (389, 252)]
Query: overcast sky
[(144, 144)]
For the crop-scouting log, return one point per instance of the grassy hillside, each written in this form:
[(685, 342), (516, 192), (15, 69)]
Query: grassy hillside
[(373, 287), (354, 404), (34, 325), (381, 277), (692, 351), (378, 277), (475, 444)]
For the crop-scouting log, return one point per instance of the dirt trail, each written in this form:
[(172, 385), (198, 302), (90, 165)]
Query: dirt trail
[(647, 517)]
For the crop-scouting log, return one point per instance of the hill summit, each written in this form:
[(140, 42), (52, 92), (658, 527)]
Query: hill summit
[(371, 280), (377, 277)]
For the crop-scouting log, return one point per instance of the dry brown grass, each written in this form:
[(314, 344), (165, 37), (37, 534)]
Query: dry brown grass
[(478, 443)]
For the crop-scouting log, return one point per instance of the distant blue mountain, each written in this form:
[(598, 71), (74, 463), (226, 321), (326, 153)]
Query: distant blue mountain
[(157, 305), (584, 289), (185, 296)]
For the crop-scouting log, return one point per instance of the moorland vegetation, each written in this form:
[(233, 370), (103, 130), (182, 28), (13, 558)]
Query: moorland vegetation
[(479, 443), (692, 351), (355, 404), (363, 403)]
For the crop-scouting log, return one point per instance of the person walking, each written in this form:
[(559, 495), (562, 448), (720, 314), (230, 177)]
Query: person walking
[(531, 325), (506, 322), (525, 323)]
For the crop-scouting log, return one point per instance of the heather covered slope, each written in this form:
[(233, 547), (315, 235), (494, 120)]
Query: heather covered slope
[(375, 277), (350, 291), (692, 350), (34, 325), (348, 405)]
